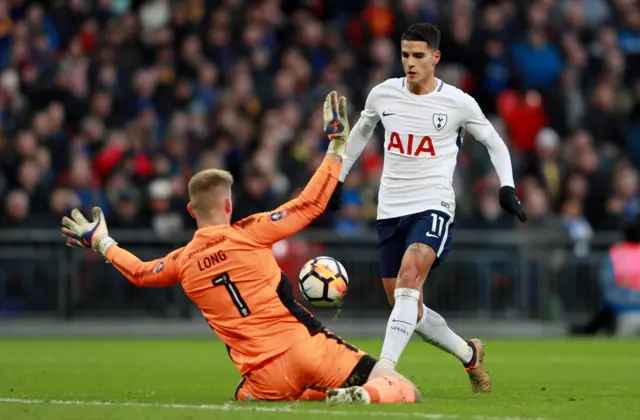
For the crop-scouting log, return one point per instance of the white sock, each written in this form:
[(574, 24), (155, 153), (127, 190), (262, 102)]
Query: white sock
[(434, 330), (401, 325)]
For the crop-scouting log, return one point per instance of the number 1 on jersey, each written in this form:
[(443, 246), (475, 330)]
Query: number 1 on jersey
[(224, 280)]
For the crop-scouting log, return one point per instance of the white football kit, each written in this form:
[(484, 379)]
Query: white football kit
[(416, 201), (423, 134)]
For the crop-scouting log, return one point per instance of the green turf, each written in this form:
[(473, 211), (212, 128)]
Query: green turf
[(531, 379)]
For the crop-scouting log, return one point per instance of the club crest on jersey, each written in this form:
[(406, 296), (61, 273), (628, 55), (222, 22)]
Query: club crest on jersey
[(439, 121), (279, 215), (158, 268)]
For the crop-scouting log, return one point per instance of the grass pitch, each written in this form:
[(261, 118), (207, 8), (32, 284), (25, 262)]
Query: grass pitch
[(194, 379)]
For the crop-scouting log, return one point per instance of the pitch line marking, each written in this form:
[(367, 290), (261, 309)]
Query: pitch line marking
[(259, 409)]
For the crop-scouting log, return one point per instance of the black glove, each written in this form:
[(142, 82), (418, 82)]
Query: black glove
[(335, 202), (510, 203)]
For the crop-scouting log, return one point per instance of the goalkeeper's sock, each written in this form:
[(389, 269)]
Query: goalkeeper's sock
[(381, 390), (401, 325), (434, 330), (389, 390)]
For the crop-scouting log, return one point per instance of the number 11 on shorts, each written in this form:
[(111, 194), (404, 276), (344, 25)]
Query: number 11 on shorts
[(437, 224)]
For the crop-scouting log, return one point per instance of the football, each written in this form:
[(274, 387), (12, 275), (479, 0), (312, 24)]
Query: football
[(324, 282)]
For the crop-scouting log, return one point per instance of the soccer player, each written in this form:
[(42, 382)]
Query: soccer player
[(229, 271), (425, 121)]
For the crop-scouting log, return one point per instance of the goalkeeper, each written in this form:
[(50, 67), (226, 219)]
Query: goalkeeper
[(281, 350)]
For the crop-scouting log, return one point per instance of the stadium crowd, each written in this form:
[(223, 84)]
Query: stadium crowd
[(117, 102)]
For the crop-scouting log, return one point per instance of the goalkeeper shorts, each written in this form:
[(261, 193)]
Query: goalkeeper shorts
[(321, 362)]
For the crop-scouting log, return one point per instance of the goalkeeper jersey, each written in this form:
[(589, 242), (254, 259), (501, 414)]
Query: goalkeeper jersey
[(230, 273)]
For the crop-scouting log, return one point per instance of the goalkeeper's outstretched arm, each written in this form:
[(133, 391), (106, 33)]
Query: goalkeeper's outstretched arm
[(290, 218), (156, 273), (81, 233)]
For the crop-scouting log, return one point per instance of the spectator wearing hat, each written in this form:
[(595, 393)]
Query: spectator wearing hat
[(165, 221)]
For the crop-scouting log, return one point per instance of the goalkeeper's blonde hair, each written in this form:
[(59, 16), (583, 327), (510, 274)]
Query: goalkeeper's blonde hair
[(207, 186)]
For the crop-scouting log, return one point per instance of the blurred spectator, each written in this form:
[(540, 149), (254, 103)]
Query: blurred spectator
[(117, 103), (164, 219), (496, 73), (489, 214), (350, 220), (524, 116), (577, 226), (538, 62), (126, 202), (16, 209), (255, 196), (604, 122), (572, 101), (547, 166), (538, 208), (623, 205)]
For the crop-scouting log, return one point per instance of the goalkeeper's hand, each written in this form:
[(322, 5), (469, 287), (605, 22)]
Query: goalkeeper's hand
[(336, 123), (510, 202), (81, 233)]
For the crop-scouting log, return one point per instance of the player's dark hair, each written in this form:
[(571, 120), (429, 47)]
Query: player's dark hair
[(426, 32)]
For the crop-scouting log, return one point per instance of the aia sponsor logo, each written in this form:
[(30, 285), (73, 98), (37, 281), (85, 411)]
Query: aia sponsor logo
[(411, 145)]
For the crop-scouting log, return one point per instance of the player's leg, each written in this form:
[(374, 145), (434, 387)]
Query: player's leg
[(269, 385), (433, 329), (431, 229), (431, 326), (386, 385), (391, 244), (313, 395), (416, 262), (391, 257), (352, 376), (389, 284), (386, 389), (277, 380), (372, 382)]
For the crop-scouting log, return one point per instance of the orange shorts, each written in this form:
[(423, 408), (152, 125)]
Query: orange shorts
[(321, 362)]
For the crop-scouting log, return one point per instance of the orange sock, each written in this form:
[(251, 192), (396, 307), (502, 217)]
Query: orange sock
[(312, 395), (389, 390)]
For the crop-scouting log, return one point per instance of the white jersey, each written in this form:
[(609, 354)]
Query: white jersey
[(423, 134)]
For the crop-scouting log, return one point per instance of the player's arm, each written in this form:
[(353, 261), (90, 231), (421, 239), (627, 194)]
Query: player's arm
[(360, 133), (156, 273), (290, 218), (477, 124), (81, 233), (358, 139)]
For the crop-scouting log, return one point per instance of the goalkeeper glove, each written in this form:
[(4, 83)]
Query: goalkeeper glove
[(336, 123), (81, 233), (510, 203)]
